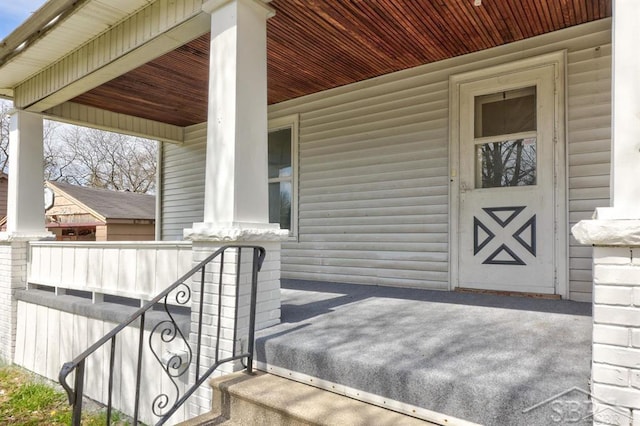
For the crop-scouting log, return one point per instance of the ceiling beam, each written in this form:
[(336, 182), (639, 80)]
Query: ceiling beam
[(82, 115)]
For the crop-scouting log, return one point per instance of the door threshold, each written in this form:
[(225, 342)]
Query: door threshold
[(508, 293)]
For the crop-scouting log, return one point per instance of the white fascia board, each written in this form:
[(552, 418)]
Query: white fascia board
[(126, 46), (57, 29)]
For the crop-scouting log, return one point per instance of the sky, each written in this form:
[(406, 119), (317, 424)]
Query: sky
[(15, 12)]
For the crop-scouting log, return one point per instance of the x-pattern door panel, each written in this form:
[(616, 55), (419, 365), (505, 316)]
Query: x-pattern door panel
[(488, 231), (506, 194)]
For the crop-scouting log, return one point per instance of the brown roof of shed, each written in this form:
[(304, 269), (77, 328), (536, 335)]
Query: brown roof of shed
[(111, 204)]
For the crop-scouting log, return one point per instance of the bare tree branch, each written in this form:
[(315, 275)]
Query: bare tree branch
[(5, 123), (90, 157), (105, 160)]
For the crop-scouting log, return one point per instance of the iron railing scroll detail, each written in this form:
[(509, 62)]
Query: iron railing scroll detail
[(161, 332)]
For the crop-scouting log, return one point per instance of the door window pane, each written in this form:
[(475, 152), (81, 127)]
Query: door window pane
[(506, 163), (504, 113), (280, 204), (280, 153)]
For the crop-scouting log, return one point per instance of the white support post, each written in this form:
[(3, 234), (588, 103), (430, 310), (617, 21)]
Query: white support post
[(615, 233), (25, 204), (236, 180), (625, 124), (25, 219), (236, 166)]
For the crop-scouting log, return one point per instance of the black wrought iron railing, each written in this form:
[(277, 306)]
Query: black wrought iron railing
[(167, 330)]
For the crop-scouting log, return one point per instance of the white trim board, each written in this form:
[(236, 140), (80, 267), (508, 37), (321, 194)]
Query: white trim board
[(291, 122)]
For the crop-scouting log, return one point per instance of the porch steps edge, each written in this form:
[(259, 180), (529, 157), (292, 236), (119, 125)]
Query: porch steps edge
[(429, 416), (207, 419), (263, 398)]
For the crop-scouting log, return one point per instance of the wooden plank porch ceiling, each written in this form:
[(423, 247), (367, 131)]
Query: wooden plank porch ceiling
[(314, 45)]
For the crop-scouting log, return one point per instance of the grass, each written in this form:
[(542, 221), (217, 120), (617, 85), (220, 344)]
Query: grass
[(26, 399)]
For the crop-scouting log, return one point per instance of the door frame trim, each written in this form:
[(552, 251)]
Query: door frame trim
[(558, 61)]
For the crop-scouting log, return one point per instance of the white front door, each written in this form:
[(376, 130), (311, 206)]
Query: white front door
[(506, 214)]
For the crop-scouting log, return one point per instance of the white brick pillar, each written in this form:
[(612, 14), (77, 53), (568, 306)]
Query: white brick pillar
[(616, 334), (25, 218), (267, 307), (13, 275), (615, 235), (236, 181)]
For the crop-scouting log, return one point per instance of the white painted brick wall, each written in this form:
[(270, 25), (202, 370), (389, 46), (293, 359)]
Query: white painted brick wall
[(614, 295), (616, 315), (13, 276), (267, 309), (611, 335), (605, 415), (613, 256), (635, 378), (613, 375), (617, 396), (616, 274), (635, 338), (616, 330), (616, 355)]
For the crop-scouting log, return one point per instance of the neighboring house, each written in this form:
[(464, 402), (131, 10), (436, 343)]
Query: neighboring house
[(434, 144), (81, 213)]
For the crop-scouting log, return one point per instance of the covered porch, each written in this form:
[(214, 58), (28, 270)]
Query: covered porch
[(446, 357), (370, 189)]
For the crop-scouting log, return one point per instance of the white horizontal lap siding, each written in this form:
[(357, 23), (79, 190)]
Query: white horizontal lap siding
[(589, 137), (373, 165), (373, 192), (183, 182)]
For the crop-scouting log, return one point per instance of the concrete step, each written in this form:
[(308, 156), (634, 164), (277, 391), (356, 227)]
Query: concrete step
[(211, 419), (264, 399), (208, 419)]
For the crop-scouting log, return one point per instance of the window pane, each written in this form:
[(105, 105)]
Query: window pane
[(280, 153), (508, 163), (280, 204), (504, 113)]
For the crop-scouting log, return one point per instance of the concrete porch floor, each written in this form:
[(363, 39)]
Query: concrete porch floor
[(477, 357)]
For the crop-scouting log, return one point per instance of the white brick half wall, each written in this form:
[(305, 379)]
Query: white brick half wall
[(616, 330), (13, 275), (267, 308)]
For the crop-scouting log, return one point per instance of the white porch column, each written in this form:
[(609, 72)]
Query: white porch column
[(236, 175), (615, 233), (25, 218), (625, 129), (236, 179), (25, 204)]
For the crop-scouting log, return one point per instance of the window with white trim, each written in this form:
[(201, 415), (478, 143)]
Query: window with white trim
[(283, 202)]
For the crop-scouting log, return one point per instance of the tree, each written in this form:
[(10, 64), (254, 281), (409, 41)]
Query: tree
[(4, 135), (90, 157), (508, 163)]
